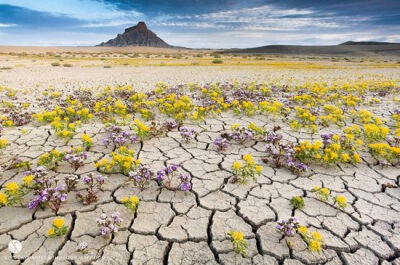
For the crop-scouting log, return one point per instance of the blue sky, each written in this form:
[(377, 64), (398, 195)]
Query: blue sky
[(200, 23)]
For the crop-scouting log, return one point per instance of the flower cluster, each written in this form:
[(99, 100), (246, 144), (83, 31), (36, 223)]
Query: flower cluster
[(65, 129), (249, 170), (166, 175), (375, 133), (221, 144), (18, 163), (314, 240), (122, 160), (141, 129), (324, 194), (131, 203), (287, 227), (141, 176), (93, 184), (13, 192), (118, 137), (109, 224), (49, 197), (281, 154), (385, 152), (50, 160), (187, 134), (75, 157), (332, 150), (58, 228), (297, 202), (87, 141)]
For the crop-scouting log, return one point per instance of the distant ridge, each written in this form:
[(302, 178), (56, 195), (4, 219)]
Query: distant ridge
[(350, 48), (138, 35), (366, 43)]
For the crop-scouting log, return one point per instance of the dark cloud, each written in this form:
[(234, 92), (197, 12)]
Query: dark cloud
[(27, 18), (182, 6)]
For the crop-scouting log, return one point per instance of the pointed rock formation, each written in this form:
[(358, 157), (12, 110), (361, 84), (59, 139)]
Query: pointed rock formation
[(138, 35)]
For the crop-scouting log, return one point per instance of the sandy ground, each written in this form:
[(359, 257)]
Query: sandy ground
[(145, 77)]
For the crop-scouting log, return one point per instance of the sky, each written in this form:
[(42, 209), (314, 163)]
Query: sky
[(200, 23)]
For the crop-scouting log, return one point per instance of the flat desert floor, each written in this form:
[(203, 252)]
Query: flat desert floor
[(163, 157)]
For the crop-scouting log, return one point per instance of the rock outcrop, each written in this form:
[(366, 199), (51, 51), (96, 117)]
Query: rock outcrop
[(138, 35)]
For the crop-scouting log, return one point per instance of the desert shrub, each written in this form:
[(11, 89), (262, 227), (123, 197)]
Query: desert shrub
[(55, 64), (67, 65), (217, 61)]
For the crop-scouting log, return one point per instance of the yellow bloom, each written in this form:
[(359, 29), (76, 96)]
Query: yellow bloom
[(124, 199), (317, 236), (315, 245), (134, 199), (51, 232), (302, 229), (325, 191), (86, 138), (3, 143), (12, 187), (317, 145), (345, 157), (248, 158), (357, 158), (58, 222), (236, 165), (237, 236), (28, 180), (3, 199), (341, 200), (259, 168)]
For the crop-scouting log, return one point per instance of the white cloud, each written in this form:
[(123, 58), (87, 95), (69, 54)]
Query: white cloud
[(7, 25), (109, 24)]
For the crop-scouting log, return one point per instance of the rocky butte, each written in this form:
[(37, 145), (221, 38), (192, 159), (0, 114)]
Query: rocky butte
[(138, 35)]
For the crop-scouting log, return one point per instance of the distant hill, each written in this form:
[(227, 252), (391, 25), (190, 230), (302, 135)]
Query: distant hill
[(366, 43), (138, 35), (349, 48)]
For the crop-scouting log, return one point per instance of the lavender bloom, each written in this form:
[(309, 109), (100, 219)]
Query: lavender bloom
[(187, 134), (93, 185), (221, 143), (185, 182), (109, 224), (119, 137), (185, 186), (287, 227), (51, 197), (141, 176)]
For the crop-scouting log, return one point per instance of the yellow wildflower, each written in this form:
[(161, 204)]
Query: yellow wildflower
[(58, 222), (236, 165), (3, 199)]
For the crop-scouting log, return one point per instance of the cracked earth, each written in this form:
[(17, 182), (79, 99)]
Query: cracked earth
[(176, 227)]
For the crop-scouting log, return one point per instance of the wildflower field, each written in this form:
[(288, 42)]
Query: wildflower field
[(247, 172)]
